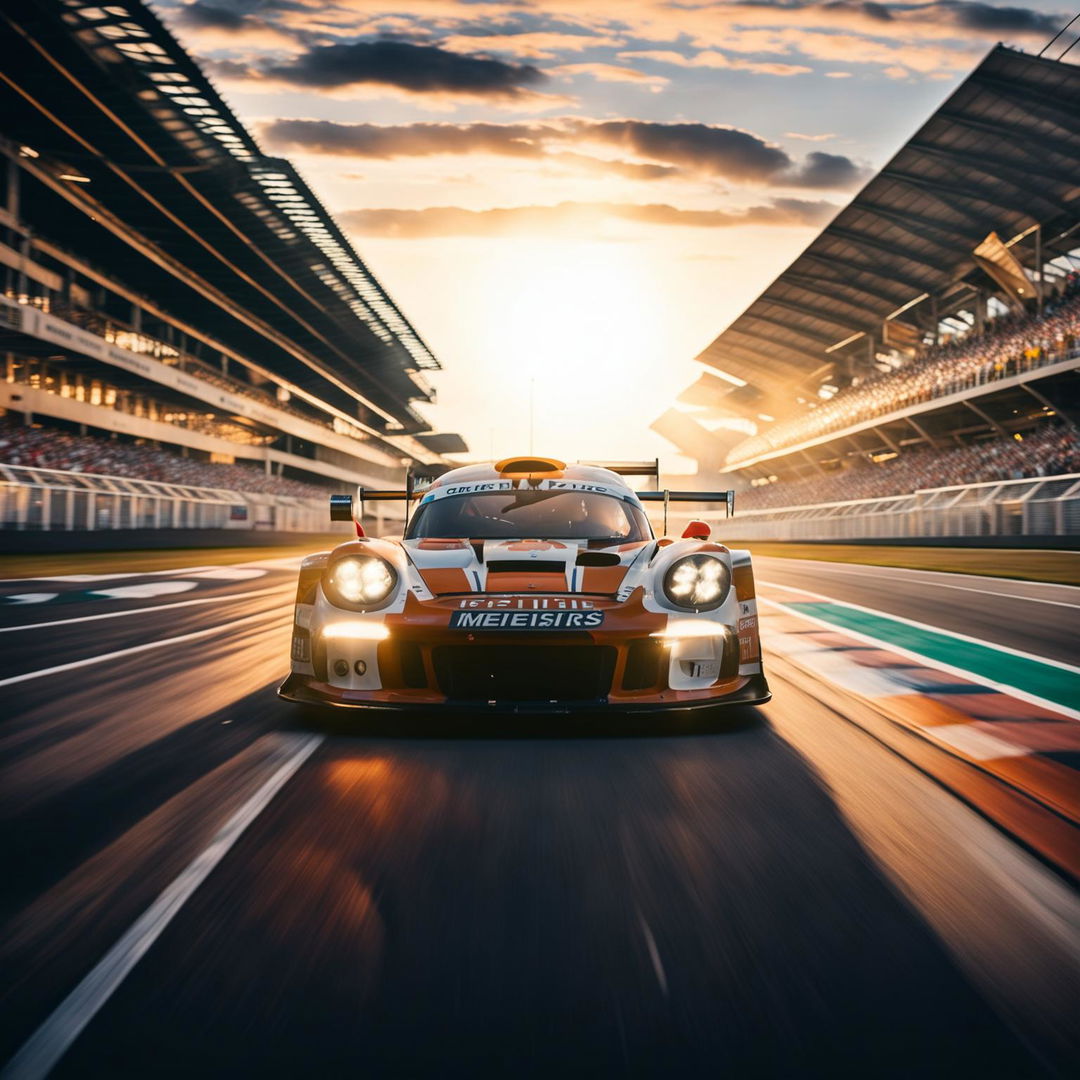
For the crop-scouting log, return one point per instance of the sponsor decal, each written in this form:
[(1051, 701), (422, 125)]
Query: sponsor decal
[(705, 669), (525, 603), (301, 648), (748, 624), (575, 485), (526, 620), (482, 486), (473, 489)]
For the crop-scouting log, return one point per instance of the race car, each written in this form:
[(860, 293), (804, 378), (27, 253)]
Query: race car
[(528, 584)]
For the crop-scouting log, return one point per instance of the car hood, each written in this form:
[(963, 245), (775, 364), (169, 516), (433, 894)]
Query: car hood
[(523, 566)]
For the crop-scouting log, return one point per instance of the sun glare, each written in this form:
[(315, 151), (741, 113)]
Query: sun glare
[(575, 341)]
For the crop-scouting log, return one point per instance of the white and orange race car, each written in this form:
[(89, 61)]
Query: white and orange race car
[(529, 584)]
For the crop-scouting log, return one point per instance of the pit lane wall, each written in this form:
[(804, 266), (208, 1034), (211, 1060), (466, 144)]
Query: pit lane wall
[(1046, 510)]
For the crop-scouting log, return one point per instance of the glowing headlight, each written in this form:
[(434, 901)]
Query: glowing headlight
[(700, 582), (359, 581)]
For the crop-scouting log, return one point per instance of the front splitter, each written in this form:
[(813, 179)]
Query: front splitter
[(755, 692)]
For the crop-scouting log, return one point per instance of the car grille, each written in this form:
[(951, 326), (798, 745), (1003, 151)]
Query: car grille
[(645, 662), (540, 673)]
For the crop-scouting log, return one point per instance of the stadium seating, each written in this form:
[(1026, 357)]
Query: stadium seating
[(1049, 452), (51, 448), (1011, 346)]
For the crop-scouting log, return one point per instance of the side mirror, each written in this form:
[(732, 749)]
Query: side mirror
[(341, 508), (697, 530)]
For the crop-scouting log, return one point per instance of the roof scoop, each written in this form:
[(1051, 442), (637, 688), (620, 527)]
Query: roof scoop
[(529, 466)]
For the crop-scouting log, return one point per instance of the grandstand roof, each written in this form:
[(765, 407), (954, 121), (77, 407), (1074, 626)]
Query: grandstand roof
[(1001, 154), (108, 90)]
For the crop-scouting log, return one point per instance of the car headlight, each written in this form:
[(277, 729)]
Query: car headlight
[(359, 581), (700, 582)]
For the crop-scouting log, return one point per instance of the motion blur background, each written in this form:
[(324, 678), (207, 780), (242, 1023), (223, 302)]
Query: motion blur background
[(182, 316), (873, 875)]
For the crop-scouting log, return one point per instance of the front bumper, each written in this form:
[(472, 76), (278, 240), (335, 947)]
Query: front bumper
[(628, 659), (750, 690)]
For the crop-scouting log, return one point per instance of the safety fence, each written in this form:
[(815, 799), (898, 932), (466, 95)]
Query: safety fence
[(54, 500), (1048, 506)]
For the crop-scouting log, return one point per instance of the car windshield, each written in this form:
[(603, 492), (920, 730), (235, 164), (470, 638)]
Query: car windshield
[(531, 515)]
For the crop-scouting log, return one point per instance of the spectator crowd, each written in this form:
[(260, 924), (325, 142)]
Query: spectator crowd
[(1009, 347), (49, 448), (1051, 451)]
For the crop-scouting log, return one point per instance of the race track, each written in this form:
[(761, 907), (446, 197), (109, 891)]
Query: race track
[(202, 880)]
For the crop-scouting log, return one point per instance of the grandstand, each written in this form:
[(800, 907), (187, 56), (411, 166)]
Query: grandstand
[(930, 335), (176, 306)]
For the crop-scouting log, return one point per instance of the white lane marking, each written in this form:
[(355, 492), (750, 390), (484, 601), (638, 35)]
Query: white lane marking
[(926, 661), (289, 562), (284, 562), (230, 573), (103, 657), (146, 590), (976, 744), (861, 571), (40, 1053), (925, 626), (143, 610), (654, 955), (32, 597), (80, 578)]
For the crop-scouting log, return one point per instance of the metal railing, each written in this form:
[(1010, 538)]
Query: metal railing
[(51, 499), (1044, 506)]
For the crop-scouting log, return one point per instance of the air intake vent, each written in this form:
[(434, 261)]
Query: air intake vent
[(525, 566), (598, 558)]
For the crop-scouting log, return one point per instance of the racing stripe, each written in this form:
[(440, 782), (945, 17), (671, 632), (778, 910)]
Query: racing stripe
[(602, 579), (448, 579)]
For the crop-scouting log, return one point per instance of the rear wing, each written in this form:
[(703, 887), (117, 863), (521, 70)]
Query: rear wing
[(652, 468), (628, 468), (666, 497)]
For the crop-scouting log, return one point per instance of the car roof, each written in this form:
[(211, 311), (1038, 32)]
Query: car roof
[(532, 468)]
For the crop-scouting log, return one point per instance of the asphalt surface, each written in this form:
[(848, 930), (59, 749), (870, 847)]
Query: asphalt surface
[(772, 893)]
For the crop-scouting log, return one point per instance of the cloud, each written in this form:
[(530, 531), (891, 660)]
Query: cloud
[(534, 45), (630, 170), (710, 58), (405, 140), (213, 26), (938, 18), (236, 71), (967, 15), (762, 37), (201, 16), (700, 149), (416, 69), (857, 49), (429, 140), (571, 218), (719, 151), (810, 138), (611, 73), (821, 170)]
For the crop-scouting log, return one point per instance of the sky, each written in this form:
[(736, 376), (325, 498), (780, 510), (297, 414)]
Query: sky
[(569, 200)]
